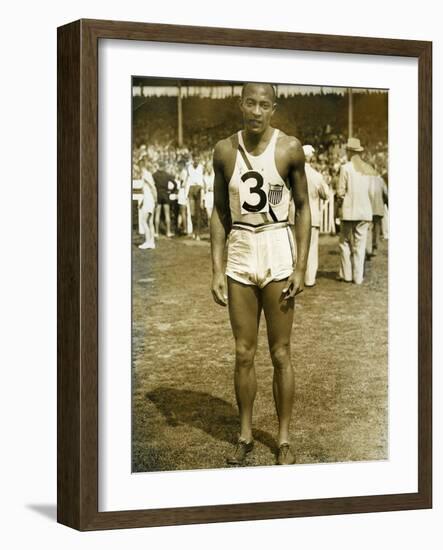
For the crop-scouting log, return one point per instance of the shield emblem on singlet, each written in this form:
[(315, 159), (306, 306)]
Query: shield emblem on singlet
[(275, 194)]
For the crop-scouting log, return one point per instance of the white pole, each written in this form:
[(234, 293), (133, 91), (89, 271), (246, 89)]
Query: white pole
[(350, 113), (180, 115)]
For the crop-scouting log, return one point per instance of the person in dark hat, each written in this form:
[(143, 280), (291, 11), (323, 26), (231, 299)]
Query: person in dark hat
[(165, 184), (353, 191)]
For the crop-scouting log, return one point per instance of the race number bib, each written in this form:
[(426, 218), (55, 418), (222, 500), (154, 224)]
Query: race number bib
[(253, 192)]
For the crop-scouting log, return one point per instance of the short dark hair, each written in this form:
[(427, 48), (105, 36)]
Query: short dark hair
[(271, 86)]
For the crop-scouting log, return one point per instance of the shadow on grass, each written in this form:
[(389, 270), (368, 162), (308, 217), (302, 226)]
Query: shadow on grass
[(203, 411)]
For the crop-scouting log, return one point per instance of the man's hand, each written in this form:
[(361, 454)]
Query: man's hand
[(295, 285), (218, 289)]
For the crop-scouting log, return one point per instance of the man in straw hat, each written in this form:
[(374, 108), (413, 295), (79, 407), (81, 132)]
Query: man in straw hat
[(353, 190)]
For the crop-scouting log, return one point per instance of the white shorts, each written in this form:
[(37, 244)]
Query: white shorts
[(259, 255)]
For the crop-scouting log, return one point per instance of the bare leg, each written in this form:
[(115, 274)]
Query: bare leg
[(193, 209), (244, 313), (148, 228), (158, 211), (151, 227), (167, 212), (183, 218), (192, 214), (279, 315), (144, 223)]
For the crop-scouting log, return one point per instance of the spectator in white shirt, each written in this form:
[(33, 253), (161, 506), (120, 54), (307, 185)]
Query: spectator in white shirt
[(195, 185)]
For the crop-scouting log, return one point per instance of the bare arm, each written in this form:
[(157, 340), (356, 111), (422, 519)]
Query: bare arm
[(297, 180), (220, 227)]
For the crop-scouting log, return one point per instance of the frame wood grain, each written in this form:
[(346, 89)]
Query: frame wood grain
[(77, 316)]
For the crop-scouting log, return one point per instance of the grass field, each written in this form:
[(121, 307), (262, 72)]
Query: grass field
[(184, 411)]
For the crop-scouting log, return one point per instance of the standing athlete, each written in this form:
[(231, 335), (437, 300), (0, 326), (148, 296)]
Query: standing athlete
[(257, 171)]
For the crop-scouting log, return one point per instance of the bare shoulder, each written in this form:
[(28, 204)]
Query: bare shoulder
[(290, 147), (224, 149)]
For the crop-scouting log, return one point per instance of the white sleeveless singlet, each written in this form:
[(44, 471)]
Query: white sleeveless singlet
[(257, 193)]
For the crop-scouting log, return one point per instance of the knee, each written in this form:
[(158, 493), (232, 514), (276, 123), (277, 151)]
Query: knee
[(280, 355), (244, 354)]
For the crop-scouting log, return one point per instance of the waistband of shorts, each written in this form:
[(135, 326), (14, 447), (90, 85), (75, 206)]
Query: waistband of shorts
[(261, 227)]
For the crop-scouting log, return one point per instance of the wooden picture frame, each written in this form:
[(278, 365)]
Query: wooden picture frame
[(77, 455)]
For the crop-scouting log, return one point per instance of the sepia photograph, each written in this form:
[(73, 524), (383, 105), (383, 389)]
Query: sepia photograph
[(260, 240)]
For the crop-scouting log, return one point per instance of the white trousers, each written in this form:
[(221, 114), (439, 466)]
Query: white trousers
[(312, 264), (352, 246)]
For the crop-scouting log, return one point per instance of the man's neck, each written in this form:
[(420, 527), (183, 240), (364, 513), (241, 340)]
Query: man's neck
[(253, 140)]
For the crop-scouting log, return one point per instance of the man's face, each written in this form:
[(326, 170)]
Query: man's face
[(257, 106)]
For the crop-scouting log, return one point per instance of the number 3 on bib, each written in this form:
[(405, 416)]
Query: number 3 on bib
[(253, 193)]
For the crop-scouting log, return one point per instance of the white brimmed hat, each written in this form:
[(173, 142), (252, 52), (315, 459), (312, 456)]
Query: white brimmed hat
[(353, 144)]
